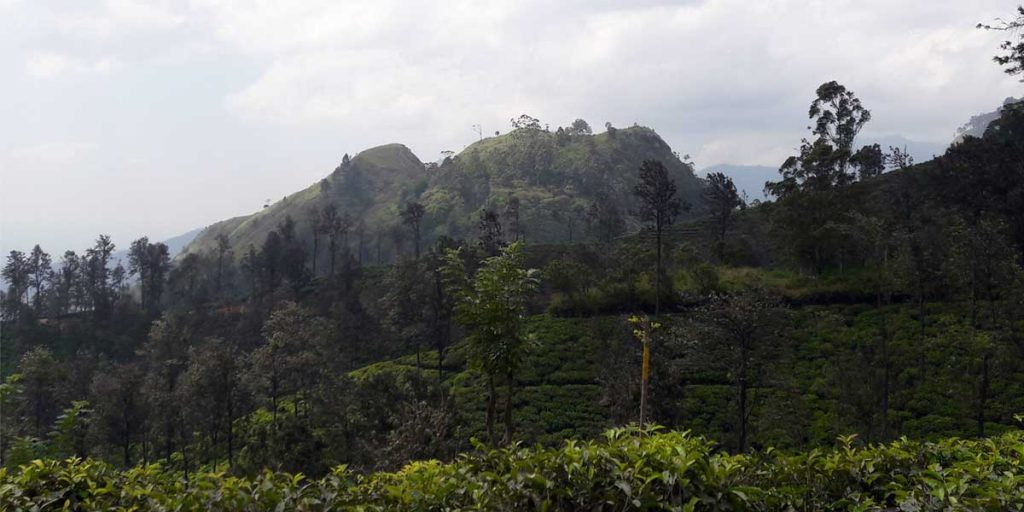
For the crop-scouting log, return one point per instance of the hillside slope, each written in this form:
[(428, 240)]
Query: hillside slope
[(554, 177), (368, 188)]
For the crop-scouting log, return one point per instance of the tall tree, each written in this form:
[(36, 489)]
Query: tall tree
[(67, 283), (39, 268), (512, 211), (119, 406), (212, 388), (822, 165), (741, 332), (412, 216), (489, 225), (807, 190), (17, 274), (659, 207), (150, 262), (293, 358), (722, 200), (166, 357), (42, 379), (492, 306), (101, 294)]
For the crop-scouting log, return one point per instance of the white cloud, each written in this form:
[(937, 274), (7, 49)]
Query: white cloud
[(50, 65), (384, 64), (115, 17), (271, 93), (51, 153)]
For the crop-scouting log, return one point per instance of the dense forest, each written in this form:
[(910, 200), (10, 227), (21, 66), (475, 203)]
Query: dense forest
[(540, 288)]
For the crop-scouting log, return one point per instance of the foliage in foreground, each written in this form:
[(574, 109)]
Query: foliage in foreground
[(629, 469)]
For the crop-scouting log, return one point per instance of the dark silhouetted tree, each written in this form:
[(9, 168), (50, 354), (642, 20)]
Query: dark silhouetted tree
[(659, 207), (722, 200), (412, 216)]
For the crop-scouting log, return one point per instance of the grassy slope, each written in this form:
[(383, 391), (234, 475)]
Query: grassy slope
[(391, 169)]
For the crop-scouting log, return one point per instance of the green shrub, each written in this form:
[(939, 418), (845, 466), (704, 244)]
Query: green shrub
[(628, 469)]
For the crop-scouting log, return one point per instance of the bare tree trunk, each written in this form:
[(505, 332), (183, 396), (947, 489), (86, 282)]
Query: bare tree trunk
[(491, 406), (983, 394), (508, 407), (231, 433), (743, 384), (657, 277), (644, 377)]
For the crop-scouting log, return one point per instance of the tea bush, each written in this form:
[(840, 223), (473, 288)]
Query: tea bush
[(629, 469)]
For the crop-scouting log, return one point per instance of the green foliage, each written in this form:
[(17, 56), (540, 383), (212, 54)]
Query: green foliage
[(629, 469)]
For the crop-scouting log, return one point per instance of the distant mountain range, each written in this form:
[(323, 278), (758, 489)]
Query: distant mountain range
[(751, 178), (175, 245), (976, 125)]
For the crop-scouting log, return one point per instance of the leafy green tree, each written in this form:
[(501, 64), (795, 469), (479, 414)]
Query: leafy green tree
[(722, 200), (412, 216), (578, 128), (512, 211), (659, 207), (294, 358), (491, 239), (408, 291), (42, 380), (492, 305), (869, 161), (822, 165), (67, 284), (150, 262), (119, 407), (212, 389), (605, 219), (17, 274), (166, 357), (97, 278), (740, 332), (807, 190), (39, 268)]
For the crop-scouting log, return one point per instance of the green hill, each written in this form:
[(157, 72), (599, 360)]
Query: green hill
[(553, 176)]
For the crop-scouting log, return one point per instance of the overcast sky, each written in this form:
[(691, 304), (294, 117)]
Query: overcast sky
[(134, 118)]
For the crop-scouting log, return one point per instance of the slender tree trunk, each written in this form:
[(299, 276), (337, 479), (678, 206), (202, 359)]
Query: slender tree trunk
[(742, 383), (491, 406), (316, 250), (334, 250), (419, 367), (416, 240), (231, 432), (657, 277), (983, 394), (645, 366), (127, 443), (508, 407)]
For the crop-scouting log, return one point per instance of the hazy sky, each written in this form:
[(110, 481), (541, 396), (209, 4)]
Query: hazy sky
[(134, 118)]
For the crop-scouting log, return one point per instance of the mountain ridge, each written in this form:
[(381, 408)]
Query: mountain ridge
[(550, 175)]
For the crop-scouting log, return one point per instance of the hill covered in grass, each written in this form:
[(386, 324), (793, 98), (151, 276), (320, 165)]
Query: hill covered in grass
[(530, 177)]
